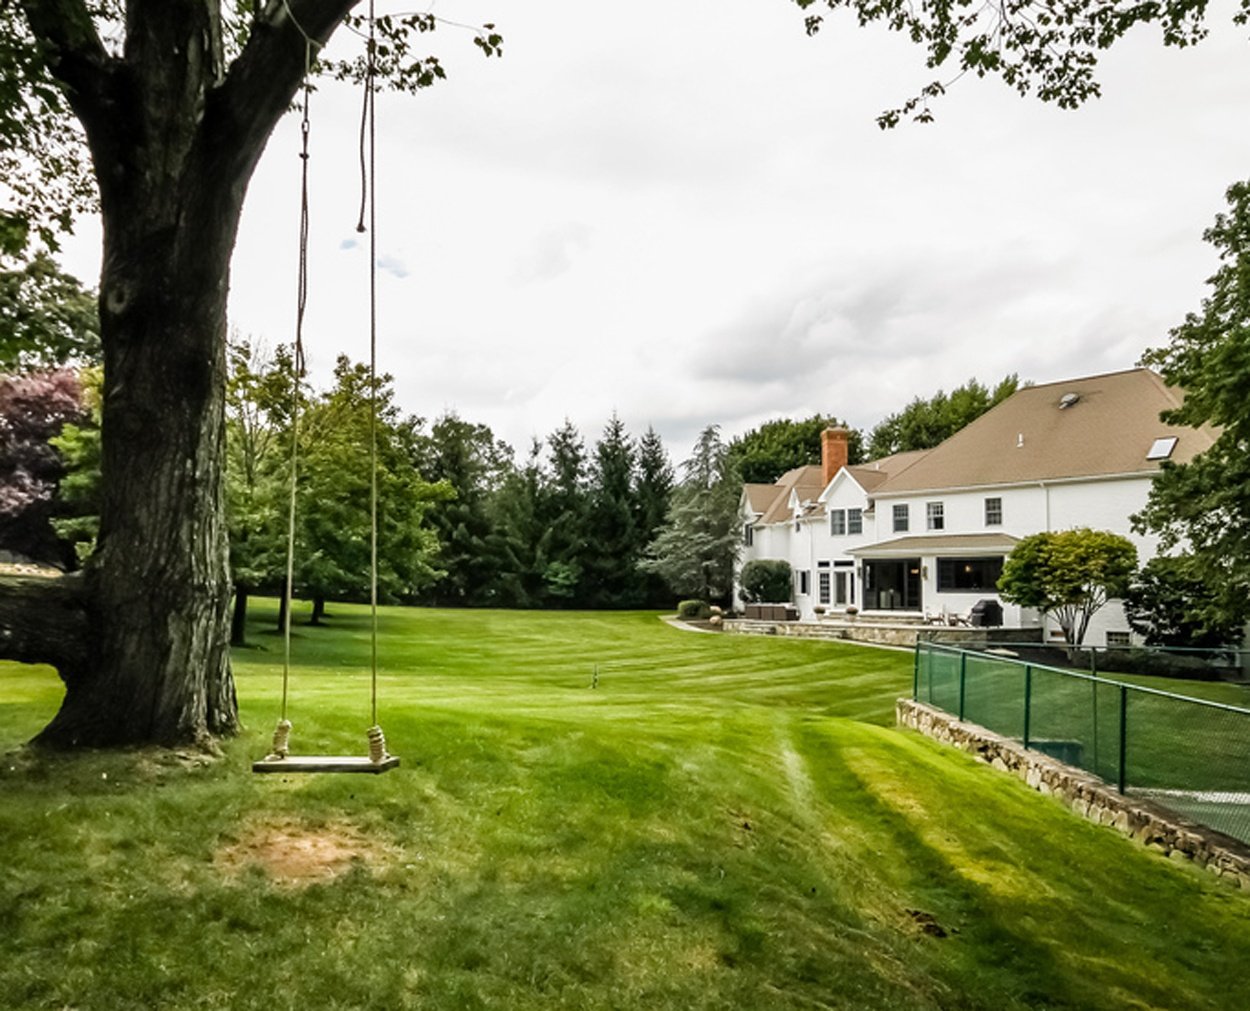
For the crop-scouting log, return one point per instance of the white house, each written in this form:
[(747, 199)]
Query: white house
[(926, 532)]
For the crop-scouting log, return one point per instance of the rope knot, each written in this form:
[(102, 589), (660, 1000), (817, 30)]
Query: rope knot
[(281, 739), (377, 745)]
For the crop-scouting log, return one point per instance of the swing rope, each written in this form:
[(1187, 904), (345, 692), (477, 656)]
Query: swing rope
[(368, 185), (282, 733), (378, 755)]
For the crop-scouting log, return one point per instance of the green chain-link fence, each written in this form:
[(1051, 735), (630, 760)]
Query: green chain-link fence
[(1186, 754)]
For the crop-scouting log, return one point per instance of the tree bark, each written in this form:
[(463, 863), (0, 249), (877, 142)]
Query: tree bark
[(238, 617), (45, 620), (174, 139), (318, 610)]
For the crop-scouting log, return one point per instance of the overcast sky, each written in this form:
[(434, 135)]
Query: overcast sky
[(685, 213)]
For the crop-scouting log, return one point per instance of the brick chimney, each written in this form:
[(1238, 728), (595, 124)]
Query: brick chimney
[(833, 451)]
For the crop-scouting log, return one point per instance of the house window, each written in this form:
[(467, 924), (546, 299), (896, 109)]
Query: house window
[(797, 527), (822, 585), (844, 588), (837, 522), (855, 521), (934, 516), (804, 578), (748, 534), (969, 575), (993, 512), (1118, 639), (900, 518)]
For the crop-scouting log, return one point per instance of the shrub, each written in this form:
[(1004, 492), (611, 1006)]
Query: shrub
[(693, 610), (766, 581)]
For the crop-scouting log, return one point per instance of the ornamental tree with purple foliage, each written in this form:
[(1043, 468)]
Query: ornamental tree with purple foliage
[(33, 408)]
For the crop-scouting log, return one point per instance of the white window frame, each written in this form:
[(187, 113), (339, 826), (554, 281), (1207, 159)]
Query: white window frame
[(837, 522), (855, 521), (993, 508), (902, 518), (935, 516)]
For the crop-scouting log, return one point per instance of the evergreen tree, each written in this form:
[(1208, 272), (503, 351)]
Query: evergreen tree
[(654, 489), (473, 464), (696, 548), (611, 577), (563, 506), (517, 540)]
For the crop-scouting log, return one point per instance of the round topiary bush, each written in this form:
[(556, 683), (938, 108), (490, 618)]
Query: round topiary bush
[(766, 581), (693, 610)]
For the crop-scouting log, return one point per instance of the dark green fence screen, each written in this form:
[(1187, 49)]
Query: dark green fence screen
[(1189, 755)]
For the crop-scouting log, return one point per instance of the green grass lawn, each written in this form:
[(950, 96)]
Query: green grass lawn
[(724, 822)]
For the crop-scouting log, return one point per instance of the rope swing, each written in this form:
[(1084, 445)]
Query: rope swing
[(378, 759)]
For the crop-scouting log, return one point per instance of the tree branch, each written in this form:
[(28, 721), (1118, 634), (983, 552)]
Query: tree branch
[(75, 56), (44, 620), (263, 79)]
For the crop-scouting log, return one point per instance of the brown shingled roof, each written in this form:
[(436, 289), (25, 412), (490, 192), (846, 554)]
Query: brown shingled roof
[(1107, 428)]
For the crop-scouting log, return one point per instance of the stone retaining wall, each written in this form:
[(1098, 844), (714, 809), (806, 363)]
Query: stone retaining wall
[(881, 632), (1088, 796)]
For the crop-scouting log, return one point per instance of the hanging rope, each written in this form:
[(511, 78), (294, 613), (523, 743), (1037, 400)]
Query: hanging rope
[(282, 733), (377, 742)]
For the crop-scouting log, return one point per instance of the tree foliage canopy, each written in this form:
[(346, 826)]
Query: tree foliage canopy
[(695, 550), (923, 424), (1203, 506), (1034, 46), (765, 453), (1171, 602), (766, 581), (1069, 575)]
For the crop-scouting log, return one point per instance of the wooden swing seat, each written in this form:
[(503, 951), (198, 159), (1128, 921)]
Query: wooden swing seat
[(326, 763)]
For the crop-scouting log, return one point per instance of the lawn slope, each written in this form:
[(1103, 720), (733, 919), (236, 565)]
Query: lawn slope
[(724, 822)]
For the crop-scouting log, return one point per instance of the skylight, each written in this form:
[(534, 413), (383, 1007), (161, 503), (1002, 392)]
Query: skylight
[(1161, 449)]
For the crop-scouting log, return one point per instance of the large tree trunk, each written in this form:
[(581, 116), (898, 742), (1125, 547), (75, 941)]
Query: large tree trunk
[(174, 139)]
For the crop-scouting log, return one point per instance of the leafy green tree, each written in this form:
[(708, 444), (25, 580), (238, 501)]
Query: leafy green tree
[(1203, 506), (76, 519), (259, 401), (173, 102), (1069, 575), (763, 454), (1171, 602), (695, 550), (333, 526), (1034, 47), (923, 424), (47, 319), (766, 581), (473, 464)]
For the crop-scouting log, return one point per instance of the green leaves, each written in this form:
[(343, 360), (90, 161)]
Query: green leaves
[(1203, 505), (1069, 575), (1049, 48)]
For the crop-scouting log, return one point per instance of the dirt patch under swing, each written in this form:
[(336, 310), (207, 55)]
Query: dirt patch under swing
[(296, 854)]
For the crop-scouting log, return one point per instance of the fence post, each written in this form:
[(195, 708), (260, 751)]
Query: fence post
[(915, 674), (963, 673), (1028, 701), (1123, 737), (1093, 661)]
